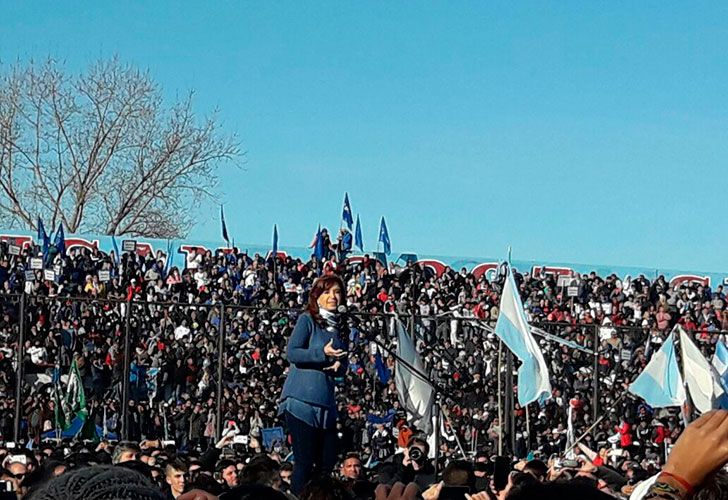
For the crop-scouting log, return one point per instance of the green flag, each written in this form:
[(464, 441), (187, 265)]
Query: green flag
[(74, 403)]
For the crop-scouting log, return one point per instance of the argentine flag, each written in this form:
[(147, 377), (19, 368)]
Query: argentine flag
[(513, 330), (703, 382), (660, 383), (720, 363), (416, 395)]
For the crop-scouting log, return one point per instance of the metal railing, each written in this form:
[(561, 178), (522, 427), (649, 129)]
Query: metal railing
[(126, 318)]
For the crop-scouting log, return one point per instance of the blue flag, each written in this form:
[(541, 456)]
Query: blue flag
[(387, 418), (358, 240), (275, 241), (224, 227), (346, 241), (319, 250), (60, 240), (384, 237), (382, 370), (117, 255), (43, 239), (346, 213), (273, 436)]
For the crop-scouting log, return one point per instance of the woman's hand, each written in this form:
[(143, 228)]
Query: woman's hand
[(701, 449), (333, 367), (330, 351)]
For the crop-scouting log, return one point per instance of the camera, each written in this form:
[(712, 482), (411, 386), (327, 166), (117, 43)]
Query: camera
[(415, 454)]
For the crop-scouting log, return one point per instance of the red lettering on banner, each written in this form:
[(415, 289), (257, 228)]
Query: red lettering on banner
[(437, 266), (681, 279), (80, 242), (281, 255), (192, 249), (485, 268), (355, 259), (540, 271), (14, 239), (144, 249)]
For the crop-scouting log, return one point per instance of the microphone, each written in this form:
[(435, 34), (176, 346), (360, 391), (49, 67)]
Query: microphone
[(351, 319)]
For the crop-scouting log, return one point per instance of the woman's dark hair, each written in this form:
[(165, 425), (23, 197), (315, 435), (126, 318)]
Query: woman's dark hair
[(319, 287)]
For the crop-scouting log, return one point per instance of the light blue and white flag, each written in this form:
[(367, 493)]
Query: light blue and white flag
[(416, 395), (720, 363), (660, 383), (720, 360), (703, 382), (512, 327)]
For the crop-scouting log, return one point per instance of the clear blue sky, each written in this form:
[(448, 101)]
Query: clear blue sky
[(592, 132)]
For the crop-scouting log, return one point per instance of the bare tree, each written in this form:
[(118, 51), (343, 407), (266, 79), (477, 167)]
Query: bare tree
[(100, 152)]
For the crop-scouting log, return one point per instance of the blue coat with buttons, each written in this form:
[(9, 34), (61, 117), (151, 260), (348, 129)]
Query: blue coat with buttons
[(307, 381)]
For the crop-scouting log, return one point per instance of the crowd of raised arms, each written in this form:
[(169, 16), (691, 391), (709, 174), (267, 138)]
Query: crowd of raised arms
[(171, 441)]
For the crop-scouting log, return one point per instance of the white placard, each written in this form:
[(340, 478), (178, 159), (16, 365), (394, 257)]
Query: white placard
[(564, 281), (36, 263), (104, 276), (49, 275)]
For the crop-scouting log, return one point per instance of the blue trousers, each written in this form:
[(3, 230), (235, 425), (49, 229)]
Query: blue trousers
[(314, 450)]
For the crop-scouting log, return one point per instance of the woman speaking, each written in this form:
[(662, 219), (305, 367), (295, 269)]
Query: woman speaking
[(317, 354)]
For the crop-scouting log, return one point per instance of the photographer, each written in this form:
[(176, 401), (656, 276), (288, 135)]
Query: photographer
[(413, 466)]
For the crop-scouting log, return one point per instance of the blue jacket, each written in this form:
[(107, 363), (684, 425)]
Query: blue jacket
[(306, 379)]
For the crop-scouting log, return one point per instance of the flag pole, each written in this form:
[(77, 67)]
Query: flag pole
[(528, 430), (500, 405), (452, 427), (604, 415), (607, 412), (685, 409), (275, 257)]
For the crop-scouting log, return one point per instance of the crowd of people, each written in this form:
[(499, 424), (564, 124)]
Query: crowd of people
[(81, 314)]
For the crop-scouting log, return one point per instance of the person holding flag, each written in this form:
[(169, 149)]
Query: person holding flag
[(321, 244), (343, 244)]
